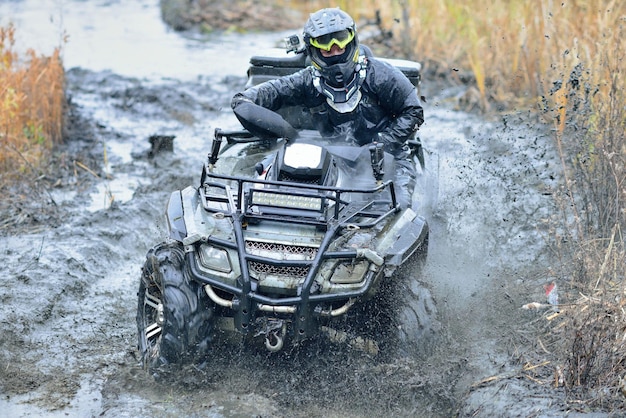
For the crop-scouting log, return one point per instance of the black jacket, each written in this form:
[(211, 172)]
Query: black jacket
[(389, 104)]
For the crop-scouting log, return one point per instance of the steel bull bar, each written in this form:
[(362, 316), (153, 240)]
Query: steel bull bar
[(247, 301)]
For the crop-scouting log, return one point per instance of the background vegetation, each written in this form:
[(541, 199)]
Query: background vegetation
[(564, 60), (32, 101)]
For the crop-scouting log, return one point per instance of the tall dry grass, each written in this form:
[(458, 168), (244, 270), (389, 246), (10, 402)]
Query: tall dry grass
[(31, 107), (515, 49)]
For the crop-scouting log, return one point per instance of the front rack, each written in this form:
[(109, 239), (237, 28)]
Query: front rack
[(290, 202), (332, 209)]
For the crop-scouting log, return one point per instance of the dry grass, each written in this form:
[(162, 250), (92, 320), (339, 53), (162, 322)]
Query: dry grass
[(31, 107), (591, 243), (586, 340)]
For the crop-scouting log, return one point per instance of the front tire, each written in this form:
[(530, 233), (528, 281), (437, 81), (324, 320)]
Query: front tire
[(415, 316), (174, 317), (414, 313), (402, 317)]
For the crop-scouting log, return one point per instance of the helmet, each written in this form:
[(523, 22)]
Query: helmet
[(339, 73)]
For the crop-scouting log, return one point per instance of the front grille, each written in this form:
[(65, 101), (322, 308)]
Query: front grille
[(291, 272), (257, 247), (282, 252)]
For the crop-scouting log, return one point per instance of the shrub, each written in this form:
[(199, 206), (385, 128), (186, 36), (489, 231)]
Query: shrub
[(31, 106)]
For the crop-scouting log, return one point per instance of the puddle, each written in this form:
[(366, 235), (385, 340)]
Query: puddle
[(119, 189), (128, 38), (86, 403)]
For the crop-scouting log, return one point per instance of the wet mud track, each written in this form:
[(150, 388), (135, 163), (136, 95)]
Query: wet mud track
[(69, 280)]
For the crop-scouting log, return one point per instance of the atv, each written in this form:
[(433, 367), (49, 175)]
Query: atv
[(282, 240)]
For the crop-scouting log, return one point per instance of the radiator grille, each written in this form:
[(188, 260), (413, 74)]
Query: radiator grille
[(292, 272), (288, 252)]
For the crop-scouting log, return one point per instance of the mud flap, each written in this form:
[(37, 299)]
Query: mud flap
[(174, 215), (426, 194)]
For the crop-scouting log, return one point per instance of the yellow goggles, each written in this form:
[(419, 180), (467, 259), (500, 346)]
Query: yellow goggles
[(326, 42)]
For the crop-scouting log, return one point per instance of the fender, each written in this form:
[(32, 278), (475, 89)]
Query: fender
[(174, 216), (407, 238)]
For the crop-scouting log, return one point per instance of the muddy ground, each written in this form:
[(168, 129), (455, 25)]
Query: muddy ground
[(72, 263), (73, 241)]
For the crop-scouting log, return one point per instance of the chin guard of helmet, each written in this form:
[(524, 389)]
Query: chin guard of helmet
[(346, 97)]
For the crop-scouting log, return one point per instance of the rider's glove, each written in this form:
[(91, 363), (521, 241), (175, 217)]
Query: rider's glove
[(390, 144)]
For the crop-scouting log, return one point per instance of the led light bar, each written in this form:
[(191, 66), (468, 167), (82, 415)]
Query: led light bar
[(286, 200)]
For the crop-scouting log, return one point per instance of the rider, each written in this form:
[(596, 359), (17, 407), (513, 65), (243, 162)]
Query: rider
[(348, 94)]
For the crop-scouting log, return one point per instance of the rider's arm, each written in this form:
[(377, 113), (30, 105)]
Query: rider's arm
[(275, 94), (399, 97)]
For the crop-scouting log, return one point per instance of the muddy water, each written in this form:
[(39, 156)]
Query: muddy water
[(67, 318)]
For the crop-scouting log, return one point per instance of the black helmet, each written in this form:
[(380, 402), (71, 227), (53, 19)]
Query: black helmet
[(339, 73)]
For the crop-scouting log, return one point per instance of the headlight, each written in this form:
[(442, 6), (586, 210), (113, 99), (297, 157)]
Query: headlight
[(214, 258), (348, 273)]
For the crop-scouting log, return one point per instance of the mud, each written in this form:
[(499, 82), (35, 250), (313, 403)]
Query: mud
[(73, 243)]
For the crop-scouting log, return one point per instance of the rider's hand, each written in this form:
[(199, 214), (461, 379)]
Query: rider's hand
[(389, 143)]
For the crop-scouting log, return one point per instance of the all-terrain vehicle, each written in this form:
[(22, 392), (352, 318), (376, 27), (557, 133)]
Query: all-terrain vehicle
[(281, 241)]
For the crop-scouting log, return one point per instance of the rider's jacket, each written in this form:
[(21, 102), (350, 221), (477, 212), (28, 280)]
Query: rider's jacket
[(388, 104)]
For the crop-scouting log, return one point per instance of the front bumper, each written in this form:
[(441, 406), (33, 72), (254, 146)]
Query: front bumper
[(304, 310)]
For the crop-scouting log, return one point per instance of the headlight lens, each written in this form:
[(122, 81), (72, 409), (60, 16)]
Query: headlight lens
[(348, 273), (215, 258)]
